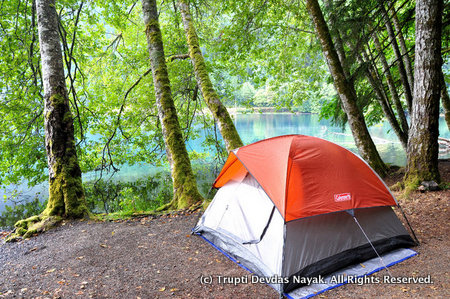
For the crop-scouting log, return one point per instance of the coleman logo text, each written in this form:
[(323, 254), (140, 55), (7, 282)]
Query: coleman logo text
[(342, 197)]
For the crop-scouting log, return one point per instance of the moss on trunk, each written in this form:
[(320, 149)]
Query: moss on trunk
[(185, 192), (26, 228), (226, 126), (66, 194)]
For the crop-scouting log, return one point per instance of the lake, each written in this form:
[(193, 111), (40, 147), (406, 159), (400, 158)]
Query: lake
[(256, 126)]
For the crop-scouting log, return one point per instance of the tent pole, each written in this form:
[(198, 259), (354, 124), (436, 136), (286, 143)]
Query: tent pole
[(373, 247), (209, 191), (409, 225)]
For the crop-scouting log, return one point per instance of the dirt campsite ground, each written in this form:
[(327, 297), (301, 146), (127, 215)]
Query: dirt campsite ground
[(157, 257)]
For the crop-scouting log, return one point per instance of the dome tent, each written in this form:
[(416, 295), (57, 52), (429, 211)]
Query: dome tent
[(299, 206)]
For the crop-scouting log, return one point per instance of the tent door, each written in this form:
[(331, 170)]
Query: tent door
[(247, 213), (264, 230)]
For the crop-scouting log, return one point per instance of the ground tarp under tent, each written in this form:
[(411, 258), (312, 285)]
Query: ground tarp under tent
[(295, 207)]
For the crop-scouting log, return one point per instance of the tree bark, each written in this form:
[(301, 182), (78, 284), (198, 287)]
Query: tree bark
[(346, 92), (423, 135), (401, 67), (226, 126), (391, 85), (66, 194), (185, 192), (445, 100), (403, 49)]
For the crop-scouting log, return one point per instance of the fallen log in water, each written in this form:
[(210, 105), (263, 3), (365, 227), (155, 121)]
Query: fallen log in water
[(444, 144)]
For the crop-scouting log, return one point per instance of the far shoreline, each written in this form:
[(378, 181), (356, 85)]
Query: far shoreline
[(267, 110)]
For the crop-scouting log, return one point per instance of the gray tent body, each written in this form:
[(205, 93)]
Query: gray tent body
[(243, 222)]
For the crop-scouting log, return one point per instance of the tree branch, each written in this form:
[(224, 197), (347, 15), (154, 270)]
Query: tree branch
[(106, 148), (177, 56)]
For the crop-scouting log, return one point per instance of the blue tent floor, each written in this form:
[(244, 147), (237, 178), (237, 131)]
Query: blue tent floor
[(355, 274)]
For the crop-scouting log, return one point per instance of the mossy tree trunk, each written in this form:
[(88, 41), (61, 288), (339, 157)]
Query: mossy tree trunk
[(226, 126), (66, 194), (185, 192), (346, 91), (423, 148)]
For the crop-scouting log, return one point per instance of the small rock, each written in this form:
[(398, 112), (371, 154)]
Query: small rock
[(9, 292), (428, 186), (83, 285)]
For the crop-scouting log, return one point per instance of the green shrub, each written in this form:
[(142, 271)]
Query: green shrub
[(20, 209), (110, 196)]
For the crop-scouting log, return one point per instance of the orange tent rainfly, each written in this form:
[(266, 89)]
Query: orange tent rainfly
[(307, 176), (298, 206)]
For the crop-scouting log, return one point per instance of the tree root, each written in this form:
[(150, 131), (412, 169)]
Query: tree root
[(196, 206), (411, 182), (399, 186), (167, 207), (26, 228), (170, 206)]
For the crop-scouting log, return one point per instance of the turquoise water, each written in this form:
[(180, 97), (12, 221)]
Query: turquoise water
[(255, 126)]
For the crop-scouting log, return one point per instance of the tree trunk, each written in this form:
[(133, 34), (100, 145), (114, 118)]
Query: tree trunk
[(219, 111), (423, 135), (382, 98), (185, 192), (346, 92), (391, 85), (336, 34), (445, 100), (372, 76), (334, 30), (404, 50), (66, 194), (401, 67)]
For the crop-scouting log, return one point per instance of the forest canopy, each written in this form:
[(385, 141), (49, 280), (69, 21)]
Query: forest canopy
[(256, 54)]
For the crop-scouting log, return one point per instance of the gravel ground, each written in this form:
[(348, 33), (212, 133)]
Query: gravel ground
[(146, 258), (158, 258)]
